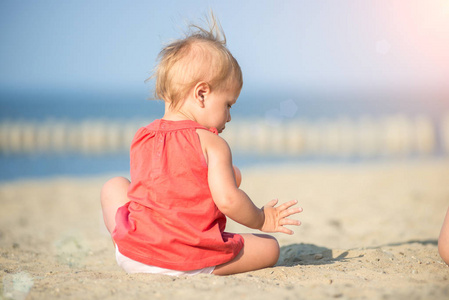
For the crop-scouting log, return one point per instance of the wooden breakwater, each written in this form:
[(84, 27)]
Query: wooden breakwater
[(59, 136), (364, 136)]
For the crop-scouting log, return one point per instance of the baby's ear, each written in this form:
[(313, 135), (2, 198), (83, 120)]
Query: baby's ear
[(201, 92)]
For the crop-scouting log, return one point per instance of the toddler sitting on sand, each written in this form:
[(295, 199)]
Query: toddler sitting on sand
[(170, 219)]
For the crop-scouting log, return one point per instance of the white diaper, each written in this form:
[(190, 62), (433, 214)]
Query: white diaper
[(132, 266)]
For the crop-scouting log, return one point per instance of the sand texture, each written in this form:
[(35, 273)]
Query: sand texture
[(369, 232)]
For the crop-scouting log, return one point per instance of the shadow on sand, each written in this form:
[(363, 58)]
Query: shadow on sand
[(309, 254)]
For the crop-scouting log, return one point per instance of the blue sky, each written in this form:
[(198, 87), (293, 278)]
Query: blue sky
[(279, 44)]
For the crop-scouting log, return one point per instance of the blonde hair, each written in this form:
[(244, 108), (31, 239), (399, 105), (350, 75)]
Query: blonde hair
[(201, 55)]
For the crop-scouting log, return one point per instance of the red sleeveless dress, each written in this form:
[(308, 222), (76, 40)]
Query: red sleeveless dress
[(171, 220)]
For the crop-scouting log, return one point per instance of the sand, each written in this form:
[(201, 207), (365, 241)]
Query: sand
[(369, 232)]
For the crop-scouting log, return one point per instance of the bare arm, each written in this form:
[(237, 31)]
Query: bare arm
[(234, 202), (231, 200)]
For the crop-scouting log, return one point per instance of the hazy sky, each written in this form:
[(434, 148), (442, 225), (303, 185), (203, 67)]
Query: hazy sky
[(87, 44)]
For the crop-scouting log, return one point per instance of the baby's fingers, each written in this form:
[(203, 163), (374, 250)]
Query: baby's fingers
[(283, 222), (286, 205), (289, 222), (285, 230), (290, 211), (272, 203)]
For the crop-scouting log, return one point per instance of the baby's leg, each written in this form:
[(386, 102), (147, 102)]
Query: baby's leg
[(443, 240), (113, 196), (260, 251)]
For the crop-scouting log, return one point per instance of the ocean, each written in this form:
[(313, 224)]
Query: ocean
[(275, 107)]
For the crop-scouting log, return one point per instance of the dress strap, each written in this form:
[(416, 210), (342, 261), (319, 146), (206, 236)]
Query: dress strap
[(213, 130)]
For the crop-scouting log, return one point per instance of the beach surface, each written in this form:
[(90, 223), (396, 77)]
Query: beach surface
[(369, 231)]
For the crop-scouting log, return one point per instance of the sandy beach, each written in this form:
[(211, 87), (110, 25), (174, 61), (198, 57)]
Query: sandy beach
[(369, 232)]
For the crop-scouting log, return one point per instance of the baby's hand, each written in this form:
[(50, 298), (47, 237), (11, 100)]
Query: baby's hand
[(276, 217)]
